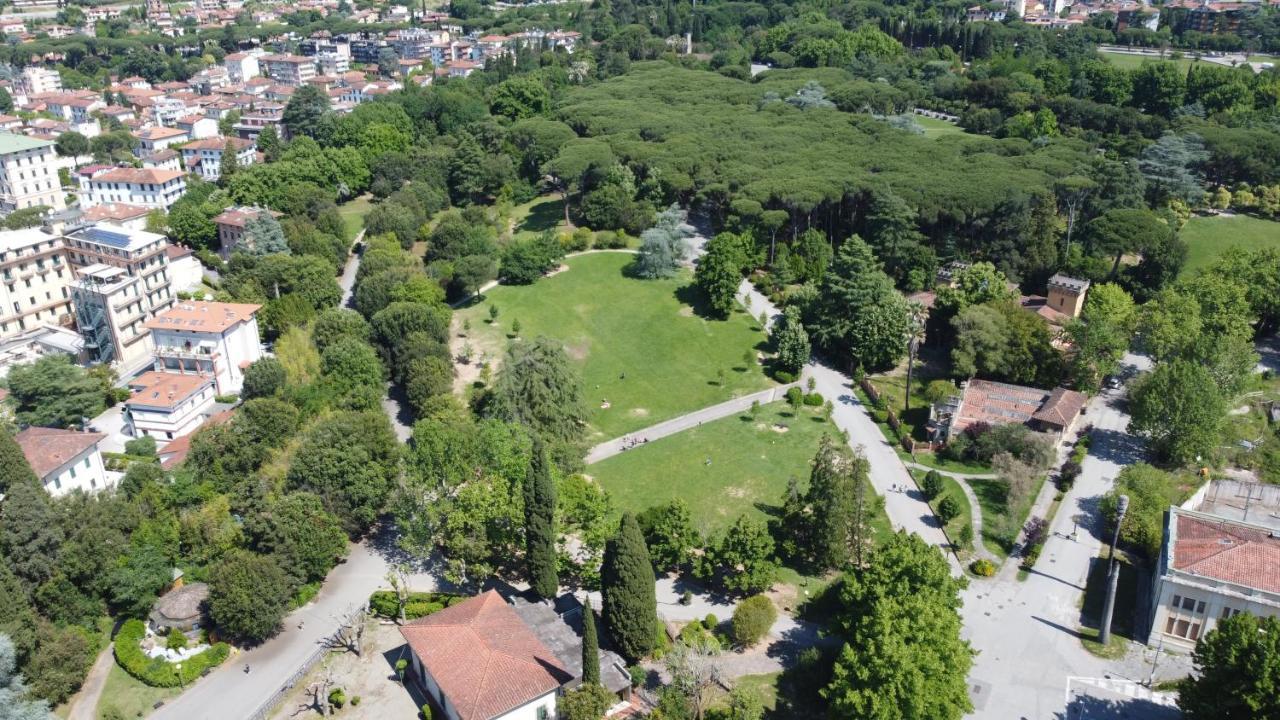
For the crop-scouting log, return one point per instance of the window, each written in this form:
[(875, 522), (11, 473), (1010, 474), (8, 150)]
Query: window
[(542, 713), (1228, 612)]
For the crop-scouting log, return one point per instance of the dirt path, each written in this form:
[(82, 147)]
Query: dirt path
[(85, 705)]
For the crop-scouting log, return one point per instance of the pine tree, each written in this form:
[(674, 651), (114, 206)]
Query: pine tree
[(590, 647), (539, 530), (858, 314), (29, 533), (13, 464), (627, 583)]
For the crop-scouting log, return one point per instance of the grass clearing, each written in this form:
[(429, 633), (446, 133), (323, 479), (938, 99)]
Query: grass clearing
[(130, 696), (766, 686), (935, 128), (1130, 61), (1207, 237), (539, 214), (1000, 521), (1091, 606), (642, 344), (353, 213), (951, 488)]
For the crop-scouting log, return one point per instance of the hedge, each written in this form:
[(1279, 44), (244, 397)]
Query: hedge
[(158, 672), (384, 603)]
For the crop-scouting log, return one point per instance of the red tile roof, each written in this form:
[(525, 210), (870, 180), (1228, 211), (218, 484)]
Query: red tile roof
[(202, 316), (1061, 408), (165, 390), (1227, 551), (48, 449), (484, 658), (136, 176)]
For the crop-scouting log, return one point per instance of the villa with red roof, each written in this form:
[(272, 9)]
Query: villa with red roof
[(64, 460), (1211, 568)]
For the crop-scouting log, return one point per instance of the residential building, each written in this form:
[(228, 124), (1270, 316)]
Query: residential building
[(34, 280), (365, 48), (37, 80), (1065, 300), (139, 253), (28, 174), (133, 217), (185, 271), (64, 460), (292, 70), (331, 63), (204, 157), (478, 660), (146, 187), (110, 312), (213, 339), (995, 403), (156, 138), (76, 108), (31, 345), (558, 624), (231, 223), (167, 405), (1211, 568), (197, 126), (166, 109), (167, 159), (241, 66)]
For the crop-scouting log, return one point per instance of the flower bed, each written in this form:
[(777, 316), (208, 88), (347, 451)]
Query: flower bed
[(157, 672)]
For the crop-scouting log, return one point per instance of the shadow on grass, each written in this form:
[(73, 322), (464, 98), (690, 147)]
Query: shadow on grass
[(697, 300), (545, 215)]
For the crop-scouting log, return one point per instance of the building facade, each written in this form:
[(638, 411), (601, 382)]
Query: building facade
[(149, 188), (65, 460), (212, 339), (28, 174), (167, 405), (34, 281), (204, 157)]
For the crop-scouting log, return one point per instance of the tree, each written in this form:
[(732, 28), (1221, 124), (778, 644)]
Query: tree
[(336, 323), (388, 61), (1004, 342), (719, 273), (830, 528), (539, 388), (348, 459), (302, 115), (670, 534), (948, 509), (1179, 409), (630, 607), (268, 143), (1125, 230), (1171, 166), (1237, 667), (743, 559), (72, 144), (1102, 334), (249, 595), (229, 163), (263, 378), (663, 246), (590, 646), (903, 657), (13, 463), (694, 672), (53, 392), (59, 667), (752, 619), (931, 486), (6, 99), (19, 704), (263, 235), (791, 341), (17, 616), (520, 97), (353, 373), (858, 314), (29, 533), (898, 243), (307, 539), (1159, 87), (539, 529)]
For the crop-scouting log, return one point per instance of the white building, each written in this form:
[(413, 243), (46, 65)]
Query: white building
[(64, 460), (185, 271), (204, 157), (30, 346), (167, 405), (242, 66), (153, 139), (28, 174), (34, 280), (209, 339), (292, 70), (37, 80), (146, 187)]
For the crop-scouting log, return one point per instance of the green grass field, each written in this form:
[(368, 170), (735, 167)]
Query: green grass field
[(750, 463), (1208, 237), (997, 514), (641, 346), (130, 696), (1132, 62), (353, 213), (934, 128), (532, 218)]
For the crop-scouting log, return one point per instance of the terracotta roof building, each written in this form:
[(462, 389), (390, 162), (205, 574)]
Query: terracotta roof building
[(478, 660), (168, 405), (64, 460), (1211, 568), (997, 403)]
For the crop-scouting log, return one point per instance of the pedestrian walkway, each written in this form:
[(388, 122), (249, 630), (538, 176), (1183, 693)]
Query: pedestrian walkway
[(975, 508), (685, 422), (84, 706)]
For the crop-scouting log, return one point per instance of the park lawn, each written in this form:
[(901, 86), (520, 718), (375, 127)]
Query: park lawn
[(935, 128), (997, 513), (1208, 237), (951, 488), (130, 696), (893, 389), (641, 346), (539, 214), (1091, 604), (765, 685), (353, 212), (1133, 62)]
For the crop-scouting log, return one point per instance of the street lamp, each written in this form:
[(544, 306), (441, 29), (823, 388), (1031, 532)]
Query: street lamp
[(1113, 574), (178, 668)]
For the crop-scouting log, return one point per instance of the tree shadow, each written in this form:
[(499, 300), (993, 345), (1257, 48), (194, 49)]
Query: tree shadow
[(1117, 447), (697, 300), (546, 215), (1063, 628), (774, 511)]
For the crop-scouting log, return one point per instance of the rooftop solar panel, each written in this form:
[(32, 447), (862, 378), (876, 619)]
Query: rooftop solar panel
[(108, 237)]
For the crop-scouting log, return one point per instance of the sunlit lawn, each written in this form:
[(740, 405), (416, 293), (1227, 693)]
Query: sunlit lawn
[(541, 213), (1208, 237), (353, 213), (642, 347), (131, 697), (934, 128), (1132, 62)]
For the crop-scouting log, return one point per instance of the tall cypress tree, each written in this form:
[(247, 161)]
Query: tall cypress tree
[(627, 583), (13, 464), (590, 647), (539, 524)]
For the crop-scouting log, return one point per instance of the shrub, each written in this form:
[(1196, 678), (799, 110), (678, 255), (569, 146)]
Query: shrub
[(355, 700), (337, 697), (752, 619), (783, 376), (384, 603), (931, 485), (141, 447), (175, 640), (638, 675), (966, 535), (155, 671), (427, 713), (982, 568), (1035, 532), (401, 666), (814, 399), (1068, 474), (711, 622), (227, 399), (948, 509), (795, 396), (686, 598), (1030, 556)]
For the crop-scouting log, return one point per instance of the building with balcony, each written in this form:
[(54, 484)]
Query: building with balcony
[(110, 313), (34, 281), (37, 80), (64, 460), (28, 174), (139, 253), (204, 157), (212, 339), (167, 405), (292, 70), (146, 187), (153, 139)]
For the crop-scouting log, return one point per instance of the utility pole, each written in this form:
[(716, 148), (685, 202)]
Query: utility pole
[(688, 36), (1113, 575)]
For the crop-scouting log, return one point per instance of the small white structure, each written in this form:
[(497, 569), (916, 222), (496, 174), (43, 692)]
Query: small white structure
[(167, 405), (210, 339), (185, 270), (64, 460)]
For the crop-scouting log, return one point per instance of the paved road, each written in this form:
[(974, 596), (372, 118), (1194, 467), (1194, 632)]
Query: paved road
[(348, 280), (229, 693), (685, 422), (1025, 632)]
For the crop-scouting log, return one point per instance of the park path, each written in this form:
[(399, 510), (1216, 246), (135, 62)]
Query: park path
[(85, 705), (348, 279), (975, 508), (687, 421)]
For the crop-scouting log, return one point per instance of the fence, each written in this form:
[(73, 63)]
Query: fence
[(322, 649)]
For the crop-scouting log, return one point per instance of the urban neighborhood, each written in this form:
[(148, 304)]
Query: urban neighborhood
[(585, 359)]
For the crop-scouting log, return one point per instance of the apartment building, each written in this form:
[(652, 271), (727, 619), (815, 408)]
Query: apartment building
[(213, 339), (28, 174), (37, 80), (34, 280), (153, 139), (204, 157), (64, 460), (291, 70), (333, 63), (146, 187), (231, 223), (167, 405), (242, 66)]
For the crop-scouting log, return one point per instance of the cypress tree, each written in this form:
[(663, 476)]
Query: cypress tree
[(13, 464), (590, 647), (539, 524), (627, 583)]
